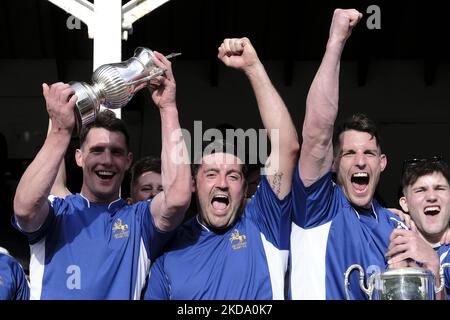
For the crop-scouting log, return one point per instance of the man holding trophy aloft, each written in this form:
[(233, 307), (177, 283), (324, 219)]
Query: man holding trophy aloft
[(93, 245)]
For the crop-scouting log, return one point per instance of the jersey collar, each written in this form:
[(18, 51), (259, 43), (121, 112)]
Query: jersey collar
[(112, 207)]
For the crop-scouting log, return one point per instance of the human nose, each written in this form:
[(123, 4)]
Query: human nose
[(360, 160), (431, 196), (222, 182), (106, 158)]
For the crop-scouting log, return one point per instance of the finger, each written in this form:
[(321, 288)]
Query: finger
[(446, 237), (226, 45), (398, 258), (160, 60), (401, 264), (221, 51), (56, 87), (139, 86), (354, 18), (235, 45), (400, 248), (394, 234), (412, 263), (398, 241), (72, 101), (161, 57), (66, 93), (45, 89)]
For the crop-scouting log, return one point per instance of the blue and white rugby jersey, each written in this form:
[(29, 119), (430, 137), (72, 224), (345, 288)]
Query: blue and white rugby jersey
[(247, 261), (93, 251), (13, 283), (328, 236), (444, 257)]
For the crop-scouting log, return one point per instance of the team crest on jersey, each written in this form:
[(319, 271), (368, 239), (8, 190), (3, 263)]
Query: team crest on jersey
[(238, 240), (119, 229)]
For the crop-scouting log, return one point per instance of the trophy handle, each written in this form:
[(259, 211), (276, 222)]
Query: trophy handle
[(367, 290), (156, 73), (441, 275)]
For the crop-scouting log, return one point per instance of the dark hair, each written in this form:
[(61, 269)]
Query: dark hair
[(145, 164), (358, 122), (416, 168), (218, 146), (106, 119)]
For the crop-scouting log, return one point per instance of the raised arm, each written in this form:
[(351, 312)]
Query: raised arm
[(280, 166), (30, 201), (316, 154), (59, 187), (169, 206)]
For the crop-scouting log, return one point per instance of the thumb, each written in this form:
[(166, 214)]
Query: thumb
[(45, 89)]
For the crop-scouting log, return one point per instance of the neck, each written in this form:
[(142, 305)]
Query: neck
[(434, 240), (98, 199)]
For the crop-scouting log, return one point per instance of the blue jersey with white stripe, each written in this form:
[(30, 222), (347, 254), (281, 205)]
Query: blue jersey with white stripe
[(329, 235), (247, 261), (93, 251), (13, 283), (444, 257)]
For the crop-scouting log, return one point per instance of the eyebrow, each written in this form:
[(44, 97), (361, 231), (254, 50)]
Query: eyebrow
[(227, 172)]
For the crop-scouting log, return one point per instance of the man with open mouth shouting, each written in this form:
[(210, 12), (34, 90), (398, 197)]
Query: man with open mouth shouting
[(426, 198), (234, 249), (336, 224)]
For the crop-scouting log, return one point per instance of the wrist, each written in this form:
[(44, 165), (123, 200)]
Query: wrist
[(254, 70), (335, 45)]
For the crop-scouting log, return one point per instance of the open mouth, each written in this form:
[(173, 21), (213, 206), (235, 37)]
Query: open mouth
[(220, 202), (105, 175), (432, 210), (360, 181)]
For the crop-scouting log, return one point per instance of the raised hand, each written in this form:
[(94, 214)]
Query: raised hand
[(60, 105), (342, 24), (238, 53), (163, 88)]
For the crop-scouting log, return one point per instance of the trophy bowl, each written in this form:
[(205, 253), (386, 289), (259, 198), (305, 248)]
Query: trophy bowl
[(113, 85), (398, 284), (404, 284)]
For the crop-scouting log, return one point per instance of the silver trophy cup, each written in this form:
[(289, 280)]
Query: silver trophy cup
[(113, 85), (398, 284)]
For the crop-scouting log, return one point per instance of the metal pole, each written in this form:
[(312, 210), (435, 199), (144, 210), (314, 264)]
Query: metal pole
[(107, 34)]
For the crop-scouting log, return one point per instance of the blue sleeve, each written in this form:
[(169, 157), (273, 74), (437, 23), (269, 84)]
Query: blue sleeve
[(154, 239), (13, 283), (445, 258), (270, 214), (158, 283), (313, 205), (54, 205), (22, 288)]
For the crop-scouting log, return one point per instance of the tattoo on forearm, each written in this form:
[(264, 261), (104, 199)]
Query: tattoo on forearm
[(276, 183)]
